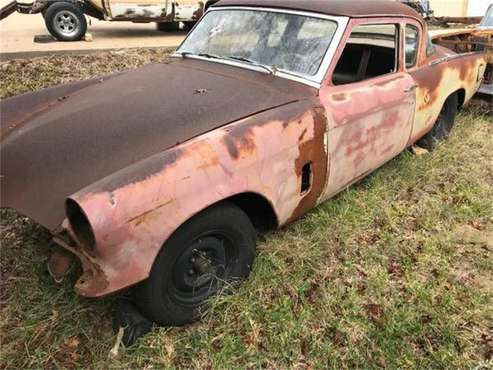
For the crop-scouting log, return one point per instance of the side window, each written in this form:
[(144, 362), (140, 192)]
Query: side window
[(370, 51), (412, 45)]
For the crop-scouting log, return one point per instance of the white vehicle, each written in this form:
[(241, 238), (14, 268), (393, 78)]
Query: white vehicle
[(66, 19)]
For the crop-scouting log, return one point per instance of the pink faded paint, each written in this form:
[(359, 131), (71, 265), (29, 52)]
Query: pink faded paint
[(341, 132), (131, 222)]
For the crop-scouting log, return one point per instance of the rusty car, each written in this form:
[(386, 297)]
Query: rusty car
[(158, 178), (66, 19)]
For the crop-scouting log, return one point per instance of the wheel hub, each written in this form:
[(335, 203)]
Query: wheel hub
[(66, 23), (200, 265)]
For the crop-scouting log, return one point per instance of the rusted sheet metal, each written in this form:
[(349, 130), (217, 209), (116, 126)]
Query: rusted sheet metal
[(369, 121), (132, 214), (349, 8), (461, 20), (465, 40), (100, 132), (468, 40), (369, 124), (443, 73)]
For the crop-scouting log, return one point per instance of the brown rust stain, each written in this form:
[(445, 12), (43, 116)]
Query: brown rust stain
[(93, 280), (139, 219), (429, 80), (312, 151), (372, 134), (302, 135), (240, 141), (140, 171), (339, 97)]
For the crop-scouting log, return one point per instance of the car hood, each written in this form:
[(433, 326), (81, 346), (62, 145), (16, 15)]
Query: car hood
[(62, 139)]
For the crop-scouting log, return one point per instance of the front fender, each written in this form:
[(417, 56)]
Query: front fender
[(133, 212)]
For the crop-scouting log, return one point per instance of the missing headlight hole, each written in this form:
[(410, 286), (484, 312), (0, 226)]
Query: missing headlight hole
[(79, 223)]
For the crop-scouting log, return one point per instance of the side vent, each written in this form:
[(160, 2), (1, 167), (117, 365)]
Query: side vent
[(306, 177)]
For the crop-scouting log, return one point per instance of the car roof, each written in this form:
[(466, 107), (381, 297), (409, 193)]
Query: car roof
[(347, 8)]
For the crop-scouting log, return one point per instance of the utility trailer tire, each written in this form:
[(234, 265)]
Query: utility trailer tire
[(168, 26), (213, 249), (189, 25), (65, 21)]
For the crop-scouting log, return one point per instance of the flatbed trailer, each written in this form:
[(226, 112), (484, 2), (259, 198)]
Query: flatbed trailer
[(66, 19)]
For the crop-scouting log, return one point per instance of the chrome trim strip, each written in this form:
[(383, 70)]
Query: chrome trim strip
[(315, 80)]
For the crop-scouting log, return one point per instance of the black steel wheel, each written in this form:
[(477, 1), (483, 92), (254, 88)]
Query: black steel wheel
[(443, 125), (214, 248), (65, 21)]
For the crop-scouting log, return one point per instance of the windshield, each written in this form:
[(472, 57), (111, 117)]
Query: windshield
[(488, 18), (279, 41)]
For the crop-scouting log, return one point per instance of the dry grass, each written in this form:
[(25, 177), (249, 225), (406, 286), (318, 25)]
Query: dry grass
[(395, 272)]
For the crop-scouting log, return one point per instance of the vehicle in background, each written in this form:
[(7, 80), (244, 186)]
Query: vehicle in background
[(463, 40), (66, 19), (421, 6)]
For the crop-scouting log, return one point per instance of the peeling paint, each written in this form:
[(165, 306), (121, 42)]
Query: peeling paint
[(222, 141)]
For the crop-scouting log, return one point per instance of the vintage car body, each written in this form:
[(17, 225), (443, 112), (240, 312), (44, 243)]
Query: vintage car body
[(113, 166)]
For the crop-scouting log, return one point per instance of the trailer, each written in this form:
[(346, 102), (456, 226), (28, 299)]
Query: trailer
[(66, 19)]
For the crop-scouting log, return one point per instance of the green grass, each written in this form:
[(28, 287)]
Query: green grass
[(396, 271)]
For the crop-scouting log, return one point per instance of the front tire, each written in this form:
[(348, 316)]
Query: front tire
[(65, 21), (215, 247), (443, 125)]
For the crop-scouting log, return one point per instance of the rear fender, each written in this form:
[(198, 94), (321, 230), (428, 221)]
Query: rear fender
[(440, 78)]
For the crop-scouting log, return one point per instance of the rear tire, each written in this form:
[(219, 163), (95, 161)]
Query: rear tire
[(168, 26), (443, 125), (214, 247), (65, 21)]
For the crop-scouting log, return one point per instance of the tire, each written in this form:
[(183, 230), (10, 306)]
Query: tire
[(65, 21), (442, 126), (215, 246), (189, 25), (168, 26)]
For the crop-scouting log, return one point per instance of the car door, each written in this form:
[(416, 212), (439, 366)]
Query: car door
[(369, 99)]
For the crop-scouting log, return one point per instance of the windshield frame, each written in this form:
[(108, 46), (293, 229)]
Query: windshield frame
[(311, 80)]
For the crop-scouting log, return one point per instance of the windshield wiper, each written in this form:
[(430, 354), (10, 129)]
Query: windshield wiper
[(272, 70), (205, 55)]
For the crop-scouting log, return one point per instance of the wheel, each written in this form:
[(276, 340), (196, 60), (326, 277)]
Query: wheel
[(65, 21), (215, 247), (168, 26), (443, 124), (189, 25)]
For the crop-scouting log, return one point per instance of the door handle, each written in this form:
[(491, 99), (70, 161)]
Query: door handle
[(411, 88)]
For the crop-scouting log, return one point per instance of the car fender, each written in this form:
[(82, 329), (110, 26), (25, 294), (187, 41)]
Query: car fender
[(134, 211)]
